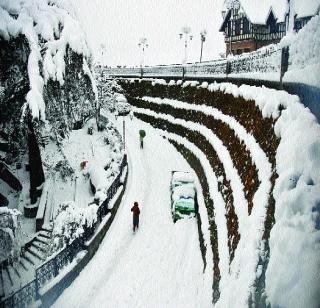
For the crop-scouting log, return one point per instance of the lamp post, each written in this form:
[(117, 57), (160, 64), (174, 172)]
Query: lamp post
[(185, 34), (143, 44), (203, 35)]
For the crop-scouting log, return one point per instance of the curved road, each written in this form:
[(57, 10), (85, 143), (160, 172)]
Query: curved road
[(158, 266)]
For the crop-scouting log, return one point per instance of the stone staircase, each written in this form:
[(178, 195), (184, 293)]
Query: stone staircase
[(19, 273)]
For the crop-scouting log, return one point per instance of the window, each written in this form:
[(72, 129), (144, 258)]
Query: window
[(229, 28), (273, 28), (246, 26), (237, 26), (272, 23)]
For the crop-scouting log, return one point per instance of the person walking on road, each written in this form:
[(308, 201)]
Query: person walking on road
[(136, 212), (142, 134)]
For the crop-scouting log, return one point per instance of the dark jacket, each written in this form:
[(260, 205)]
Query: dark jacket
[(136, 211)]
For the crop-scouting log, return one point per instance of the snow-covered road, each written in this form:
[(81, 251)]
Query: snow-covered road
[(160, 265)]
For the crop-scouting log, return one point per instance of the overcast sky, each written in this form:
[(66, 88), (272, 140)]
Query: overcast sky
[(118, 24)]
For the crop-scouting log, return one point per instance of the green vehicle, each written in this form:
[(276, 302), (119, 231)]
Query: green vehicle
[(183, 195)]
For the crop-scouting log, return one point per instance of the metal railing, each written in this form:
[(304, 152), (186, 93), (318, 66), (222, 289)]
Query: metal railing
[(51, 268)]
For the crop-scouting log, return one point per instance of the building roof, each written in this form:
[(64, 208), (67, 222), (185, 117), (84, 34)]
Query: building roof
[(305, 8), (258, 11)]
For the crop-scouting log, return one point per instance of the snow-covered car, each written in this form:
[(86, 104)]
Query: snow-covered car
[(183, 195), (123, 107)]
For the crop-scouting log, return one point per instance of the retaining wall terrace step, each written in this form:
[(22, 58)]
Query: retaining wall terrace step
[(44, 236), (15, 279), (21, 270), (39, 247), (9, 275), (46, 231), (7, 285), (35, 253), (23, 264), (37, 239), (14, 267), (28, 259)]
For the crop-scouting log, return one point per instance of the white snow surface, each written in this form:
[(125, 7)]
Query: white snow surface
[(43, 19), (181, 176), (305, 8), (160, 265), (304, 54)]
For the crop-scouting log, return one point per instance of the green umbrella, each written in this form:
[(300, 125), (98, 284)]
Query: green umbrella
[(142, 133)]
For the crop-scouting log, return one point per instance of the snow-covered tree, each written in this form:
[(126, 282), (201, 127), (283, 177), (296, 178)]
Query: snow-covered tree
[(45, 68), (10, 233), (71, 222)]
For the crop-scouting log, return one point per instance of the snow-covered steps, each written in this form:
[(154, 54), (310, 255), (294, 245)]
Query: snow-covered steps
[(22, 271), (35, 253), (44, 235)]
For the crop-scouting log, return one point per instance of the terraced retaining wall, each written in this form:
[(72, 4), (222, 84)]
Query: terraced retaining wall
[(195, 126)]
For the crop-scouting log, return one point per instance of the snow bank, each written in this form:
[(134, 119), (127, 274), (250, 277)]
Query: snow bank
[(99, 177), (50, 27), (292, 277), (304, 54)]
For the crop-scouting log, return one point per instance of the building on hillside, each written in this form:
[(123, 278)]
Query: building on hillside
[(248, 25)]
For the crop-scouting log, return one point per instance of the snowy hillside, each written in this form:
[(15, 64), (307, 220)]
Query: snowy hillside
[(57, 160)]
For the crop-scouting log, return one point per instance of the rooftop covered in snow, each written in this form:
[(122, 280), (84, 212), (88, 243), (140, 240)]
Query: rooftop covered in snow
[(258, 11)]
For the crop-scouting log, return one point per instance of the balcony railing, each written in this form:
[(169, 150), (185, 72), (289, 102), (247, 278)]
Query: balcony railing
[(255, 36)]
